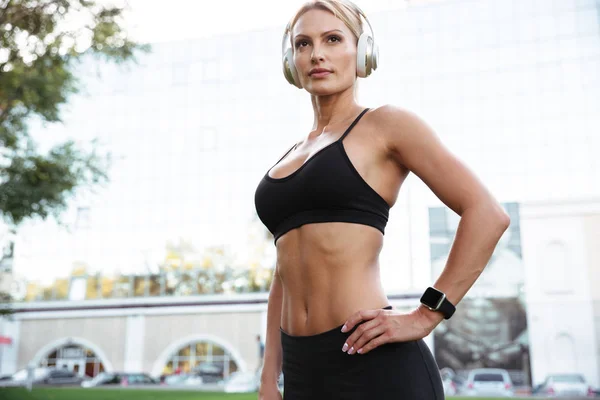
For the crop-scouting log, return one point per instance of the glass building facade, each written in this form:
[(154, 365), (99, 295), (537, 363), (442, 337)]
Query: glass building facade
[(511, 86)]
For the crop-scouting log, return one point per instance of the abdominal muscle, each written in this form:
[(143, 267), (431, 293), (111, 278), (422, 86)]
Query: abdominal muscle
[(328, 272)]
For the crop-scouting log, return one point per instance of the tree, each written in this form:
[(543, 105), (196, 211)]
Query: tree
[(41, 43)]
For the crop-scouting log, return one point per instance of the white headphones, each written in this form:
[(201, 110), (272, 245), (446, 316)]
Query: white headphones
[(367, 55)]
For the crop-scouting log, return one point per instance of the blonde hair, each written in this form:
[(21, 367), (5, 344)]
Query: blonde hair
[(344, 10)]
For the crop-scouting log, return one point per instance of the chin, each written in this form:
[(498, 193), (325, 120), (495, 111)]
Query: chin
[(323, 89)]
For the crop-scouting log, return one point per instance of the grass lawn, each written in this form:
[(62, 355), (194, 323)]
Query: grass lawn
[(125, 394)]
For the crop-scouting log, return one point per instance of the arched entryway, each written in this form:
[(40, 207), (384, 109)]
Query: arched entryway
[(198, 352), (75, 354)]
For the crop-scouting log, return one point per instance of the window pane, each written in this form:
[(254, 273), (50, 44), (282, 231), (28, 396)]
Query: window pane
[(218, 351), (172, 280), (140, 283), (168, 369), (155, 284), (123, 287), (185, 352), (108, 284), (185, 366), (91, 291), (61, 289), (232, 367), (201, 349), (186, 285)]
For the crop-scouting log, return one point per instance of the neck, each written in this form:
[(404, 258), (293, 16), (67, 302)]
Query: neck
[(332, 109)]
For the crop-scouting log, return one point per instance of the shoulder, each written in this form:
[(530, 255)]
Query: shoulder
[(396, 125), (390, 118)]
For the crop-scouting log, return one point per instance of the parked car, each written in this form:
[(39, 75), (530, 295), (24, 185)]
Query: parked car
[(210, 373), (120, 379), (448, 380), (493, 382), (572, 385), (279, 380), (183, 380), (45, 376), (449, 386), (241, 382)]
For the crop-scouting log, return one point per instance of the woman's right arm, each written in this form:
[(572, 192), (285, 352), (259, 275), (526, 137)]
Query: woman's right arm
[(273, 353)]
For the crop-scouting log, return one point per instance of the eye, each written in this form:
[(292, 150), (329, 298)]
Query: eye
[(332, 37), (301, 43)]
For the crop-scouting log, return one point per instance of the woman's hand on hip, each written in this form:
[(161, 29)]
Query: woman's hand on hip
[(384, 326)]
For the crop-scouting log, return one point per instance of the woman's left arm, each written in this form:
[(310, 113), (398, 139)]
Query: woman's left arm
[(414, 145)]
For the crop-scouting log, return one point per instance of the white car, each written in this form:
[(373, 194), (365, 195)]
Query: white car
[(448, 375), (488, 382), (20, 377), (571, 385), (449, 387), (241, 382), (183, 380)]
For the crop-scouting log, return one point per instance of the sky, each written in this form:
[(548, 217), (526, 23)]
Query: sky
[(150, 21)]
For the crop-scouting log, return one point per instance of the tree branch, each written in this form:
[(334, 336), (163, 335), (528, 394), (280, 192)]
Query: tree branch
[(23, 12)]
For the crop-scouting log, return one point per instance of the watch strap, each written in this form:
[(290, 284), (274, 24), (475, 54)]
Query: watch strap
[(447, 309)]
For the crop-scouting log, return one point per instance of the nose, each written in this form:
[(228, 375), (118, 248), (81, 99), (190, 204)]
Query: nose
[(317, 54)]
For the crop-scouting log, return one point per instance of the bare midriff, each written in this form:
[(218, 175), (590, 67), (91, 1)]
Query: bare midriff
[(328, 272)]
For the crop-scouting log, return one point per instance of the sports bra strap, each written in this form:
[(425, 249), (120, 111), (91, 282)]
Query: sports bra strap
[(286, 153), (353, 123), (340, 139)]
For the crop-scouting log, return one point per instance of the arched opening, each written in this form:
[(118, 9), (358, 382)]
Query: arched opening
[(209, 357), (78, 355), (563, 352)]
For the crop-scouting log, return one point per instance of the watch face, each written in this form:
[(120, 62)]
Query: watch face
[(431, 297)]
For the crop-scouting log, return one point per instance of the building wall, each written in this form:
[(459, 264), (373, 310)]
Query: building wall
[(142, 339), (107, 333), (592, 227), (560, 308), (235, 331)]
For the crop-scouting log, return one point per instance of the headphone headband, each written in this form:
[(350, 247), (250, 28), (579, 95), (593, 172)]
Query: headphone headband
[(360, 12)]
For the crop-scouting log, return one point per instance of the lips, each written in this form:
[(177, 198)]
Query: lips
[(319, 72)]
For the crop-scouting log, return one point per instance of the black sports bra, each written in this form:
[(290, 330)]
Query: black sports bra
[(326, 188)]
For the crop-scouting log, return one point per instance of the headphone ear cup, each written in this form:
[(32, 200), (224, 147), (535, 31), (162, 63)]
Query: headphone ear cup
[(289, 69), (362, 63), (375, 57)]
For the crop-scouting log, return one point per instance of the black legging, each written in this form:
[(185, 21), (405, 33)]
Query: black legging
[(314, 367)]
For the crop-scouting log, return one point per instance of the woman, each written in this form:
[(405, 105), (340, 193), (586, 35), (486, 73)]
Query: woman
[(329, 325)]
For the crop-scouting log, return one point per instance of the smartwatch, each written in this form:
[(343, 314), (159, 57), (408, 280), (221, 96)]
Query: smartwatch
[(437, 301)]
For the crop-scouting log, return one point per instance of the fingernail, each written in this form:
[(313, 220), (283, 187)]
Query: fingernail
[(351, 351), (359, 351), (344, 328), (345, 347)]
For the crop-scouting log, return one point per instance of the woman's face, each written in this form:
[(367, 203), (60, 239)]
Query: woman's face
[(324, 53)]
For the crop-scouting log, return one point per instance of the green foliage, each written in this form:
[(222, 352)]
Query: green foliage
[(37, 185), (5, 300), (41, 42)]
